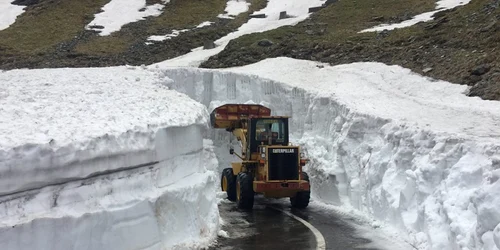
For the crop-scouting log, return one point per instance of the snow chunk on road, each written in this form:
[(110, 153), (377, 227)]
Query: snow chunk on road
[(298, 9), (119, 12), (84, 121), (9, 13), (234, 8), (424, 17)]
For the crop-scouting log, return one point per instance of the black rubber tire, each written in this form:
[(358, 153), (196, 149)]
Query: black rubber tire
[(231, 183), (246, 196), (301, 199)]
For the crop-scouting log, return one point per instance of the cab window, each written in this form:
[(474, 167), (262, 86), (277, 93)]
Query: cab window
[(270, 128)]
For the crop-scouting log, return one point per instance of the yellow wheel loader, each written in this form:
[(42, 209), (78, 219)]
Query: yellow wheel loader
[(269, 165)]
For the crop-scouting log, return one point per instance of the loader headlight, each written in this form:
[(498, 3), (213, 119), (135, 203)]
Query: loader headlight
[(263, 150)]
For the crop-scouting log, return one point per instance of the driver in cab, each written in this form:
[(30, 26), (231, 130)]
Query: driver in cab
[(263, 132)]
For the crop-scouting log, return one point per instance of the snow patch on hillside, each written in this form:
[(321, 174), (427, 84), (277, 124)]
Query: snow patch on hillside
[(9, 13), (117, 13), (234, 8), (297, 9), (424, 17), (175, 33), (399, 151)]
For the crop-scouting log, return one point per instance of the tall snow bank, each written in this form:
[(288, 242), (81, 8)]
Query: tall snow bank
[(103, 159), (59, 124), (402, 148), (170, 205)]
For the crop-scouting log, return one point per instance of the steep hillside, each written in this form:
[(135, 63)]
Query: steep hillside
[(460, 45), (51, 33)]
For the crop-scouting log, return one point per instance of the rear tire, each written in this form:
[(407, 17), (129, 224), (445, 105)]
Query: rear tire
[(230, 183), (244, 190), (301, 199)]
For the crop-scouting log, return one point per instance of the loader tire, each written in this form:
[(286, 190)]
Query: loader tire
[(244, 190), (228, 183), (301, 199)]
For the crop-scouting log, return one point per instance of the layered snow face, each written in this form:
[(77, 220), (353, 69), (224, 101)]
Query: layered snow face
[(424, 17), (58, 125), (297, 9), (103, 159), (117, 13), (9, 13), (169, 205), (408, 151)]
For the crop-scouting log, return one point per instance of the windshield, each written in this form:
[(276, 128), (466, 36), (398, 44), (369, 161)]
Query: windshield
[(270, 127)]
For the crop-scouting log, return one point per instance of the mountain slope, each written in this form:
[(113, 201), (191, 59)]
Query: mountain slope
[(460, 45), (51, 33)]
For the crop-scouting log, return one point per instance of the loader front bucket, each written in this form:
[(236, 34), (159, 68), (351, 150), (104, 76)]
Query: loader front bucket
[(230, 115)]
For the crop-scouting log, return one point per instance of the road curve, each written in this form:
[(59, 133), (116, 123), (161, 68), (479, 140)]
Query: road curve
[(271, 225)]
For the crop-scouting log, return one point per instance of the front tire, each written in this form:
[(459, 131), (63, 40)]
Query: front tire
[(228, 183), (301, 199), (244, 190)]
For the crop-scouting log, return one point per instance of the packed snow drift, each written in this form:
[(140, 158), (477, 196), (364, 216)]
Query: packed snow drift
[(404, 149), (103, 159)]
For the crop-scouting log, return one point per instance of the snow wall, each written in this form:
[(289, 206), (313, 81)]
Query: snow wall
[(443, 191), (94, 197)]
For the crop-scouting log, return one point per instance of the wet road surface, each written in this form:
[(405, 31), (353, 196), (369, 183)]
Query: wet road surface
[(266, 228), (262, 228)]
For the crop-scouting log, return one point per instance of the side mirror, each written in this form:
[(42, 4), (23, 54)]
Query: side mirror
[(231, 151)]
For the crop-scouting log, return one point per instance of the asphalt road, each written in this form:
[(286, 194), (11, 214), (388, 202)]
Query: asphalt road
[(267, 228)]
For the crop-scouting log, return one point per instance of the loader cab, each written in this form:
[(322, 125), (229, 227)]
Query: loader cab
[(268, 131)]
